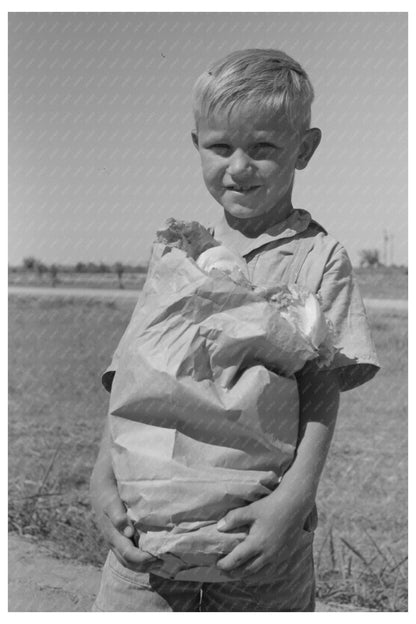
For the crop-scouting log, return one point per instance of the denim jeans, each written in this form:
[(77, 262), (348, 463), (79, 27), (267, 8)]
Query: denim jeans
[(292, 588)]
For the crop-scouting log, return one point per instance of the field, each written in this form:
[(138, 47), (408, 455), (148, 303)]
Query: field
[(59, 347), (130, 281), (375, 283), (383, 282)]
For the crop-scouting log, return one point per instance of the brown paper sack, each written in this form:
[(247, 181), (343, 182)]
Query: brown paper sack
[(203, 410)]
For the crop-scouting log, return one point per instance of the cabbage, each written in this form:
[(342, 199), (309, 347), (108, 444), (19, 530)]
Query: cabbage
[(222, 259)]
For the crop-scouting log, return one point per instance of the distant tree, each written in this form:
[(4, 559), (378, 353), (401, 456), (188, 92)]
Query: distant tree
[(80, 267), (369, 258), (54, 274), (29, 263), (119, 269), (103, 268), (41, 269), (91, 267)]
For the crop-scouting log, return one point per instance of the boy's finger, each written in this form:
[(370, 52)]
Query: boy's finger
[(133, 554), (132, 563), (130, 555), (128, 531), (235, 518), (241, 571), (118, 517), (255, 565), (237, 557)]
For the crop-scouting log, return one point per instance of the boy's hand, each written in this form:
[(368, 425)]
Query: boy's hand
[(110, 512), (117, 528), (118, 532), (273, 528), (277, 520)]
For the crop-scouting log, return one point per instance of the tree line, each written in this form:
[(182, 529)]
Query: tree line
[(38, 266), (34, 265)]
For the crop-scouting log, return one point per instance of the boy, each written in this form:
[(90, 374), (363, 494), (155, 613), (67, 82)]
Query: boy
[(252, 131)]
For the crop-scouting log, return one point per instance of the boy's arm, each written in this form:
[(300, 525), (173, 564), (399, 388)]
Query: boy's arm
[(276, 520), (110, 511)]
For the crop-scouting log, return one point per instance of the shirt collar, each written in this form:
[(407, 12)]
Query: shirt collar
[(298, 221)]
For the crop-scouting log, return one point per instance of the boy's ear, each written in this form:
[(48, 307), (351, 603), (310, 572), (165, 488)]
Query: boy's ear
[(195, 138), (310, 142)]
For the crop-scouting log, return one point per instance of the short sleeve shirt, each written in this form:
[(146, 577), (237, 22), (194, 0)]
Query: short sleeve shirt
[(324, 268), (300, 250)]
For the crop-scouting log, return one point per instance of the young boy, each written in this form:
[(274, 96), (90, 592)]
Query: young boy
[(252, 131)]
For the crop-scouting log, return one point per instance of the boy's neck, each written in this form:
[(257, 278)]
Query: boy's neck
[(258, 225)]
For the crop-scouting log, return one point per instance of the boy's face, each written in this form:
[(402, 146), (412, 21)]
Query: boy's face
[(248, 162)]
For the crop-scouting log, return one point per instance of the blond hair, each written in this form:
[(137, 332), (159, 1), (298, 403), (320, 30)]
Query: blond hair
[(269, 80)]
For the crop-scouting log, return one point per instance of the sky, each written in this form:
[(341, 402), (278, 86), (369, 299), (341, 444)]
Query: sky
[(100, 151)]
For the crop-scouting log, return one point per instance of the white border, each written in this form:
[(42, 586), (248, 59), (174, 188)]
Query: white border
[(353, 6)]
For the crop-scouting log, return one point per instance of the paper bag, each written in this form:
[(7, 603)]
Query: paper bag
[(203, 410)]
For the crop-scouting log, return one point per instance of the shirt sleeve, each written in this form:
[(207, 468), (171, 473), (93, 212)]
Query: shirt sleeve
[(108, 375), (356, 361)]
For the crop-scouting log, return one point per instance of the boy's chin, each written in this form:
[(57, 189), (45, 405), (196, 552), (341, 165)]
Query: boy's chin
[(242, 212)]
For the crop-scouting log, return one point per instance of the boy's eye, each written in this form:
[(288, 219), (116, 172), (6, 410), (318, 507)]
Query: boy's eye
[(262, 150), (222, 149)]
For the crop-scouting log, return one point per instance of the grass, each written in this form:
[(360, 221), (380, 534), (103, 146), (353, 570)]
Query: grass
[(58, 348), (383, 282), (361, 543)]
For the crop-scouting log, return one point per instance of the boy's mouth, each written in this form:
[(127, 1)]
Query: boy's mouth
[(242, 189)]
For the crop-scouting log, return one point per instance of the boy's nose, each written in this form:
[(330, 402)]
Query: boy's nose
[(239, 164)]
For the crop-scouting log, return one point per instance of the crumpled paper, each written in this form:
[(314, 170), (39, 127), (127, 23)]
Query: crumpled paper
[(203, 410)]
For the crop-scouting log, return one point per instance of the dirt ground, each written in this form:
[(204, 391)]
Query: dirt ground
[(40, 582)]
